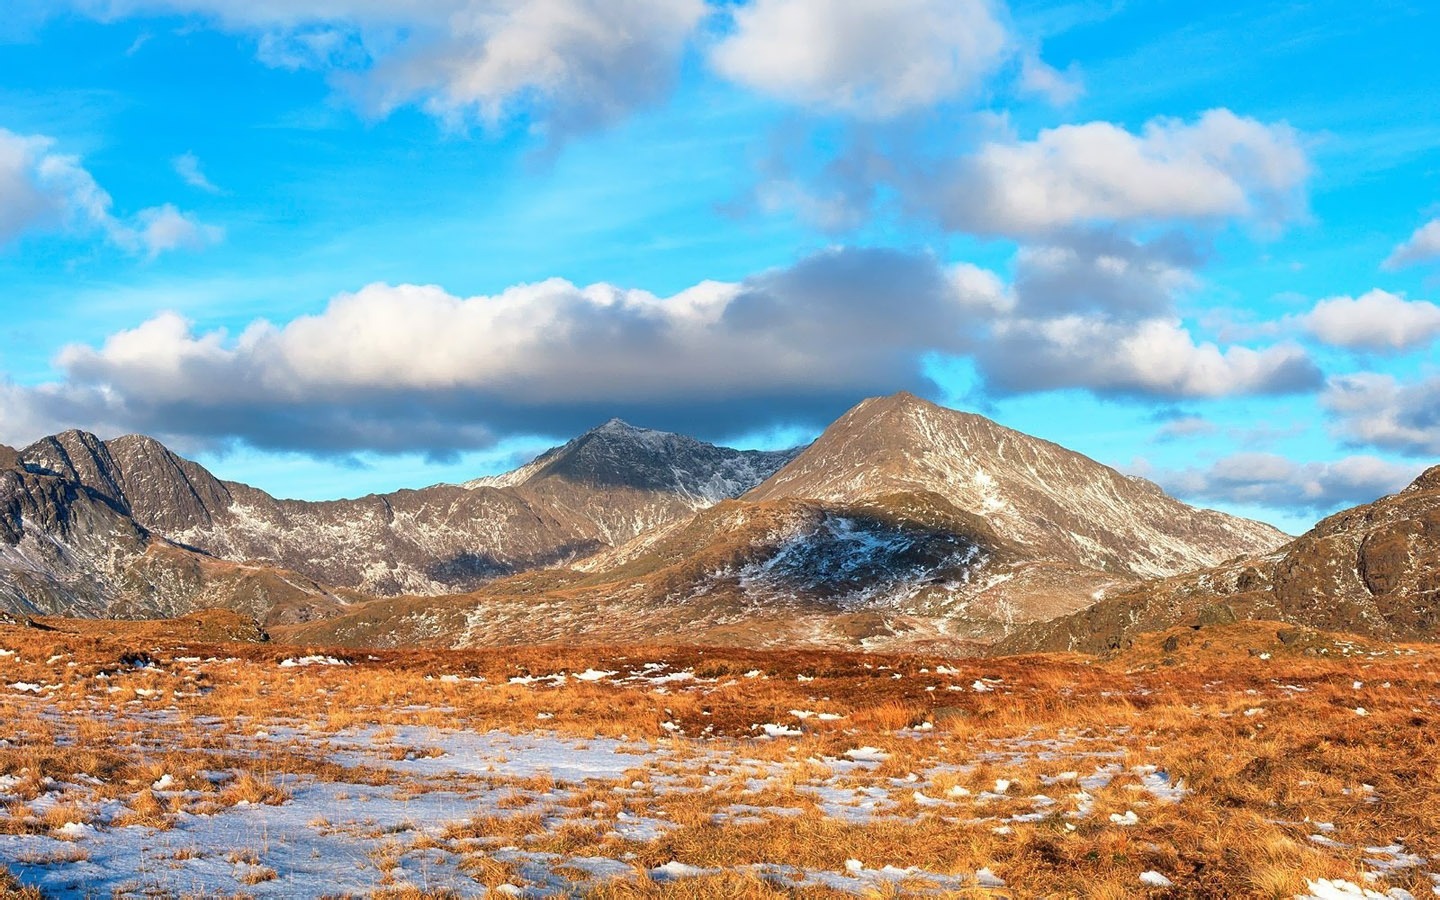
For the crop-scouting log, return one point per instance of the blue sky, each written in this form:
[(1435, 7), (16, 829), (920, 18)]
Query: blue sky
[(330, 247)]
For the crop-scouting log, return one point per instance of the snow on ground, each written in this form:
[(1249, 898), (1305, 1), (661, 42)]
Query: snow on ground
[(341, 836), (400, 810), (356, 833), (296, 661)]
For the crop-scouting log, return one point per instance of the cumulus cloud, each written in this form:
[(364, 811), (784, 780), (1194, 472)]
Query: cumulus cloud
[(1220, 167), (1370, 409), (1097, 310), (45, 190), (413, 367), (870, 58), (1422, 246), (1269, 480), (1155, 358), (1376, 321), (568, 64), (1104, 273)]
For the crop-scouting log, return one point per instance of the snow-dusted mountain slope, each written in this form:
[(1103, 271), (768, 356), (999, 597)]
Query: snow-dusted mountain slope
[(1056, 503), (69, 549), (601, 489), (903, 524), (1373, 569)]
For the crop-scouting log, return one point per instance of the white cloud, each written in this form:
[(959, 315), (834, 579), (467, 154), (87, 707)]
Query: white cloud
[(187, 166), (563, 64), (1280, 483), (414, 367), (1381, 411), (1186, 427), (1097, 310), (1043, 80), (25, 415), (1377, 320), (870, 58), (1154, 357), (1220, 167), (160, 229), (1422, 246), (410, 366), (41, 189), (44, 190), (1103, 274)]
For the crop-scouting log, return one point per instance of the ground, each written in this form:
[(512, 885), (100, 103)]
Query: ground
[(1252, 759)]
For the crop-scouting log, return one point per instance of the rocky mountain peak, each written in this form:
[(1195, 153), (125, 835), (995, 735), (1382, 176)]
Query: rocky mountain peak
[(164, 491), (617, 426), (618, 455), (77, 456), (1060, 503), (136, 474)]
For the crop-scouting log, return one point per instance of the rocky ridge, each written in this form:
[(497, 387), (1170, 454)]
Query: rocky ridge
[(1372, 570), (127, 527), (68, 549)]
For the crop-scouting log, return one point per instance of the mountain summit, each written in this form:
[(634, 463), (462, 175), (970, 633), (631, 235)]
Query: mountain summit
[(905, 524), (1056, 503), (620, 455)]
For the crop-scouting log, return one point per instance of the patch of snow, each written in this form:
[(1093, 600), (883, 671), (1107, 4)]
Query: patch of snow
[(295, 661), (773, 730), (1340, 889), (867, 754)]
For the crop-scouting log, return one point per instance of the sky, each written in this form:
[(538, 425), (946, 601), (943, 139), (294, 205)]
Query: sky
[(330, 247)]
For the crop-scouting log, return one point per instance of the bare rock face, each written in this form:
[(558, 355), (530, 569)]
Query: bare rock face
[(61, 545), (1373, 570), (137, 474)]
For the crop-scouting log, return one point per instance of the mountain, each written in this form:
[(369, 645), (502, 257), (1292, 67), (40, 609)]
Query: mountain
[(68, 549), (1058, 504), (904, 524), (600, 489), (1370, 570), (634, 479)]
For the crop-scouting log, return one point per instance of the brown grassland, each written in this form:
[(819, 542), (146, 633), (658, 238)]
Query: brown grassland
[(1245, 760)]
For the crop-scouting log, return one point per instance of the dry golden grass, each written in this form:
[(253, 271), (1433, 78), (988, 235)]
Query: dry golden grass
[(1265, 734)]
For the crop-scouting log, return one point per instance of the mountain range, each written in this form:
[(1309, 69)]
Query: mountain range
[(904, 524)]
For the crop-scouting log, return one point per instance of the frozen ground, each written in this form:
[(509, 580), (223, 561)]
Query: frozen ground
[(365, 808)]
